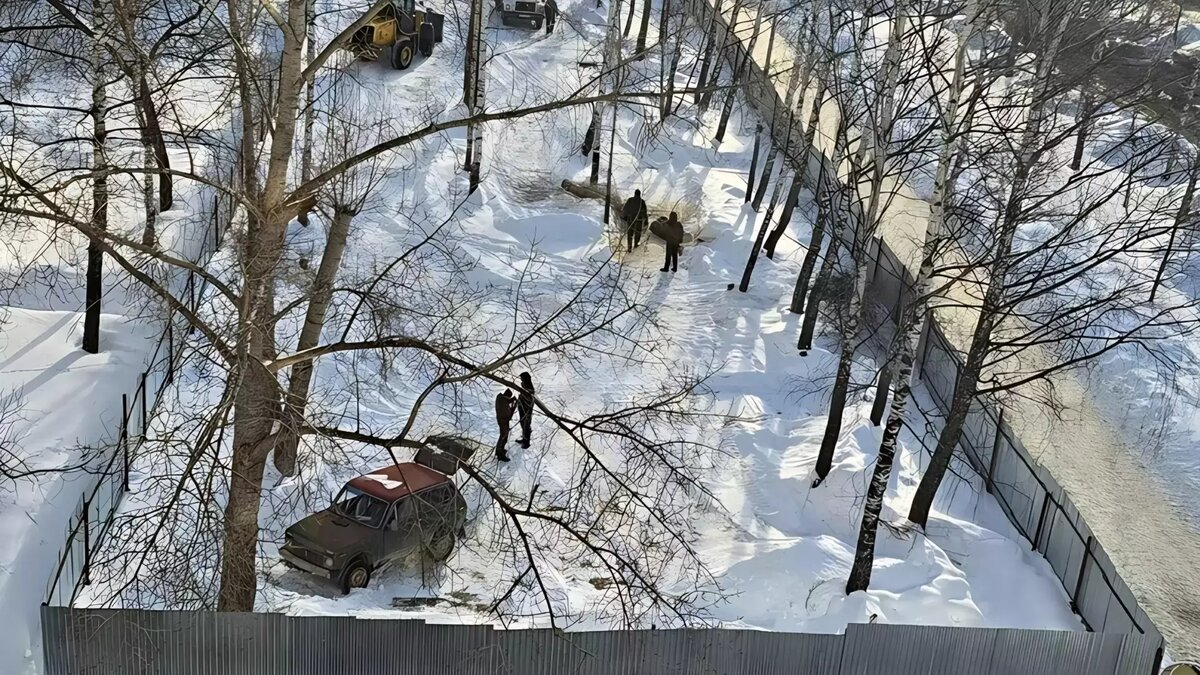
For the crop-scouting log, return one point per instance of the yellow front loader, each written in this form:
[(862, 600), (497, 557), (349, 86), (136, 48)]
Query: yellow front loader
[(399, 29)]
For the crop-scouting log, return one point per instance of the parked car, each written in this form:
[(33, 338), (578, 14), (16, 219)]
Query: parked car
[(385, 516)]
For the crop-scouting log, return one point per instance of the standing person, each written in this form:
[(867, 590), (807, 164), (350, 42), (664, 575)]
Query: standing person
[(634, 215), (504, 413), (551, 10), (525, 408), (673, 235)]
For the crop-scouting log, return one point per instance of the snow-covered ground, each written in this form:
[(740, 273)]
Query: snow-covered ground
[(61, 409), (776, 551)]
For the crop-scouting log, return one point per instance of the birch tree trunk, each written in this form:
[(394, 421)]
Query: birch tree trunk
[(989, 313), (95, 257), (908, 333), (608, 82), (855, 307)]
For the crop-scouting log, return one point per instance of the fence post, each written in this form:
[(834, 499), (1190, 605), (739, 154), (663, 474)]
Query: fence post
[(87, 548), (1087, 553), (1037, 533), (143, 406), (991, 474), (125, 439), (170, 353)]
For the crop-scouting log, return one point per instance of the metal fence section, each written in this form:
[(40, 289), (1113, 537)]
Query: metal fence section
[(110, 480), (1031, 498), (215, 643)]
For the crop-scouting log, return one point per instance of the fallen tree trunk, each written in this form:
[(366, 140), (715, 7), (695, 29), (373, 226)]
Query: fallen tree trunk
[(585, 191)]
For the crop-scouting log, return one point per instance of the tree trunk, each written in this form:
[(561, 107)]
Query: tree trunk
[(306, 143), (95, 258), (856, 305), (864, 554), (153, 129), (1182, 220), (765, 179), (800, 292), (1085, 122), (257, 401), (813, 305), (727, 108), (719, 58), (149, 199), (645, 28), (310, 335), (612, 55), (628, 22), (706, 61), (785, 216), (964, 391), (758, 241)]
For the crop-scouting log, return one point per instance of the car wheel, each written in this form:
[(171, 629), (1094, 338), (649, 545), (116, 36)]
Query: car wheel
[(402, 54), (357, 575), (440, 547)]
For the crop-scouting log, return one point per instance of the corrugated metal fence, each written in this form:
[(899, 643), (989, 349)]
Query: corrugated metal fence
[(1030, 496), (212, 643)]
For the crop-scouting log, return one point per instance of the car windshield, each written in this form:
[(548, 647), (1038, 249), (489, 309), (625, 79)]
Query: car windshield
[(361, 507)]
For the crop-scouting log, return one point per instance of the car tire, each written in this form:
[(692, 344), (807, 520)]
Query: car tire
[(356, 575), (425, 39), (402, 54), (440, 547)]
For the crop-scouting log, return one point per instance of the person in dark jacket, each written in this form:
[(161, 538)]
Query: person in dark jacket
[(551, 10), (635, 216), (525, 408), (674, 238), (505, 405)]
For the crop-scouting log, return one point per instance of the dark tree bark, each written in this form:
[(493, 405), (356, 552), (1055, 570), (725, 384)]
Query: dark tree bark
[(758, 241), (813, 305), (800, 292), (785, 218), (709, 44), (94, 276), (320, 295), (1086, 103), (1182, 221), (645, 28)]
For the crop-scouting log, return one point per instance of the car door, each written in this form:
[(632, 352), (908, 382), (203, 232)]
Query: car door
[(398, 530), (435, 511)]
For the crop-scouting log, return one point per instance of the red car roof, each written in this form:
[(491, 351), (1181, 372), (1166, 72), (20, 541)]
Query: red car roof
[(399, 480)]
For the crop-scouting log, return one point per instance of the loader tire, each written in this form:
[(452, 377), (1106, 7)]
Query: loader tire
[(402, 54)]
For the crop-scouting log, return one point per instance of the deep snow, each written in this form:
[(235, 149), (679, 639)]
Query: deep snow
[(777, 550)]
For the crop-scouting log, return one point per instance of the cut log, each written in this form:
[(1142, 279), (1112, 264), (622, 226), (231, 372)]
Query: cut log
[(584, 191)]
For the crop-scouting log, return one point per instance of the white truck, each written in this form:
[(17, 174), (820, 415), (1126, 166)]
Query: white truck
[(531, 12)]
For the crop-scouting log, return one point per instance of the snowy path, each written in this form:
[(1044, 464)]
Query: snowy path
[(1147, 538), (779, 549)]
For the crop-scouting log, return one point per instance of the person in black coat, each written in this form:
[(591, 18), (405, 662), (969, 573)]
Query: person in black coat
[(674, 238), (525, 408), (551, 11), (635, 216), (505, 405)]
